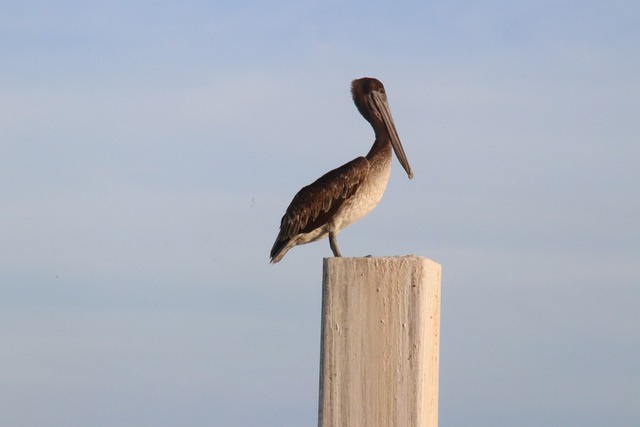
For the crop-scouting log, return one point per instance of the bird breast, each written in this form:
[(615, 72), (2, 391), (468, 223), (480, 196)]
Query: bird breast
[(366, 197)]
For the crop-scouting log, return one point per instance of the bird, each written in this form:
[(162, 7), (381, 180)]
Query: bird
[(346, 194)]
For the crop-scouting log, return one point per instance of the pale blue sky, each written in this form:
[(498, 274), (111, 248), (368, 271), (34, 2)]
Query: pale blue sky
[(148, 151)]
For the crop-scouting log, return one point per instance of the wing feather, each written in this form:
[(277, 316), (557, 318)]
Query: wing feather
[(314, 205)]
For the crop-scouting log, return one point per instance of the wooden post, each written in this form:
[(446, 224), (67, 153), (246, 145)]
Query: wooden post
[(380, 342)]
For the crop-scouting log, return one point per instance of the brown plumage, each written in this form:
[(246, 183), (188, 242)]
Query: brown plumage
[(316, 203), (345, 194)]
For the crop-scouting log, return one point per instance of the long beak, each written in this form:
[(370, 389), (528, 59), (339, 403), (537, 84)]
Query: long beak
[(382, 106)]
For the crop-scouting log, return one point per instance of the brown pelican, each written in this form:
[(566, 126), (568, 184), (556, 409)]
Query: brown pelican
[(346, 194)]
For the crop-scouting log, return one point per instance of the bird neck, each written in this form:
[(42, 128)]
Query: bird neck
[(381, 146)]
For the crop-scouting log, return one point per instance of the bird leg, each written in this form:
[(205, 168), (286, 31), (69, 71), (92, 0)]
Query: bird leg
[(334, 244)]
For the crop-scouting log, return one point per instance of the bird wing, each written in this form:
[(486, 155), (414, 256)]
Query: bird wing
[(315, 204)]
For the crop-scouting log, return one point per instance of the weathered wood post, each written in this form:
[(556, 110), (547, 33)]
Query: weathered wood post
[(380, 342)]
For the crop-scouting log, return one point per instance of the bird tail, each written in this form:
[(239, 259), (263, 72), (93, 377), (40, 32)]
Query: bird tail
[(279, 249)]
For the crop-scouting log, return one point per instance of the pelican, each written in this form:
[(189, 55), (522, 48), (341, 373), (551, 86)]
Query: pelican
[(346, 194)]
